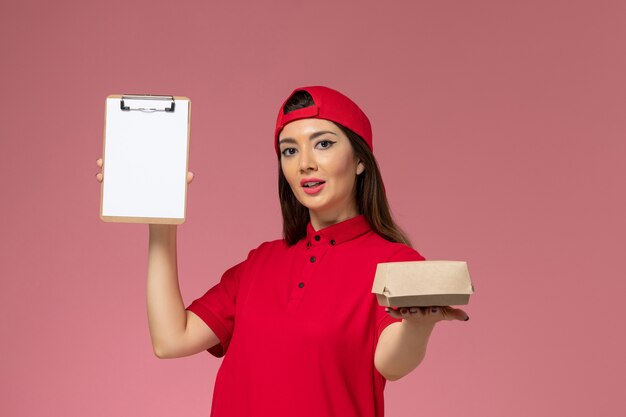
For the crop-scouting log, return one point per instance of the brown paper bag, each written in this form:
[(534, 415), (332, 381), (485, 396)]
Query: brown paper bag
[(422, 283)]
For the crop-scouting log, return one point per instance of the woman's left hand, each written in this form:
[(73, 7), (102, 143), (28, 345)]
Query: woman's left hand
[(427, 315)]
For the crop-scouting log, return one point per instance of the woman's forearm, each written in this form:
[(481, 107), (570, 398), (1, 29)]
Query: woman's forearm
[(166, 311), (401, 348)]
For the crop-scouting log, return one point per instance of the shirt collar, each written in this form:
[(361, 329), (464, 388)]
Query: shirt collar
[(338, 232)]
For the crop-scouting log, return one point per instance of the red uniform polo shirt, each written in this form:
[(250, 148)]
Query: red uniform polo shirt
[(298, 325)]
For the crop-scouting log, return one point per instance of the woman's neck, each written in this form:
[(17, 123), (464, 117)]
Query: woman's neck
[(322, 220)]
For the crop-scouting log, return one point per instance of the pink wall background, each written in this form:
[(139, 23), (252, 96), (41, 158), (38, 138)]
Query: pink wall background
[(499, 127)]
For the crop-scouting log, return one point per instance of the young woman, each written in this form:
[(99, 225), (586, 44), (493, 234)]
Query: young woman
[(299, 329)]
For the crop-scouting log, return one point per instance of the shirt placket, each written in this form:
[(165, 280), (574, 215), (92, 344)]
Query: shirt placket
[(314, 254)]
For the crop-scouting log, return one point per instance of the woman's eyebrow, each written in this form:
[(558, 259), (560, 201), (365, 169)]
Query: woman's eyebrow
[(320, 133), (313, 136), (286, 140)]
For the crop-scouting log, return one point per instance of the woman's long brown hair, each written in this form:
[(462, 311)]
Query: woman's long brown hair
[(370, 191)]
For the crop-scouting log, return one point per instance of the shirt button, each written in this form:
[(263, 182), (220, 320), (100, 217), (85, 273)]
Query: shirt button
[(317, 238), (301, 285), (312, 259), (332, 242)]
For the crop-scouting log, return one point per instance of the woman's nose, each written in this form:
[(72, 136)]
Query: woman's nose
[(307, 161)]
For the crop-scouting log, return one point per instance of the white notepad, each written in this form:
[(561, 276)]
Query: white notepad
[(146, 148)]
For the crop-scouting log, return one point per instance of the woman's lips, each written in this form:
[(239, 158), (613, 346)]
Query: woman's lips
[(314, 189), (312, 185)]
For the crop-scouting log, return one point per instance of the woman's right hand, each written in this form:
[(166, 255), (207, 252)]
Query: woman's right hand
[(99, 175)]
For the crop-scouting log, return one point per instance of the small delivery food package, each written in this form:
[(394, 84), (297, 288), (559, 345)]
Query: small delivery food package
[(422, 283)]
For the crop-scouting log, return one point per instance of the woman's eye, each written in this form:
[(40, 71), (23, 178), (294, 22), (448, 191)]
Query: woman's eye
[(324, 144), (288, 151)]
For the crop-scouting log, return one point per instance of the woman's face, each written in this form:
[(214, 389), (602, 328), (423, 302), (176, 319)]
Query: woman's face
[(319, 164)]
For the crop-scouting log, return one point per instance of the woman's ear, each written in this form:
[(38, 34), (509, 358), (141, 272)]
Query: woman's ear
[(360, 168)]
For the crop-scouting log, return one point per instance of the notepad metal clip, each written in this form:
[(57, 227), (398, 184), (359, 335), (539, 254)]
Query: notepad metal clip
[(144, 103)]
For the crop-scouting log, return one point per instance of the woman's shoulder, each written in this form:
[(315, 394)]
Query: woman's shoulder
[(270, 246), (394, 251)]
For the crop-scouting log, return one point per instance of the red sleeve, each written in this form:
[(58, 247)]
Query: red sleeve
[(217, 308), (404, 253)]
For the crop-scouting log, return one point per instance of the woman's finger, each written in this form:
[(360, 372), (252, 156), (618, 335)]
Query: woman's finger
[(189, 177), (450, 313), (433, 311), (393, 313), (437, 312), (99, 174)]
